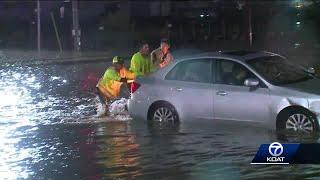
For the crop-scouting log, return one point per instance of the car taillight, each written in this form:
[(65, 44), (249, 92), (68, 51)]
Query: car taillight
[(134, 87)]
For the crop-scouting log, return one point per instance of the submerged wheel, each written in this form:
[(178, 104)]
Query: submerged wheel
[(299, 121), (164, 113)]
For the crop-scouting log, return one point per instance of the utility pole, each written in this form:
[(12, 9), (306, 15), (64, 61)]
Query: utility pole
[(56, 31), (248, 15), (250, 22), (38, 28), (76, 30)]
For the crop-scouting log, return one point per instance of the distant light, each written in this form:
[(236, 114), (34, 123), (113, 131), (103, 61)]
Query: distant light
[(64, 81), (202, 15), (298, 3), (101, 28), (208, 15), (62, 12), (296, 45), (240, 5), (298, 23), (55, 78), (169, 25)]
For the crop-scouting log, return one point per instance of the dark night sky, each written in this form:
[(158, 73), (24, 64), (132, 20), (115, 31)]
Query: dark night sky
[(25, 9)]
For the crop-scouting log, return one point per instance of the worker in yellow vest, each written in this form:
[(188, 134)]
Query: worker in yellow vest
[(141, 63), (113, 81)]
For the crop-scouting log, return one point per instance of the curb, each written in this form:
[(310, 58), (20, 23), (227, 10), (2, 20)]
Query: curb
[(51, 61)]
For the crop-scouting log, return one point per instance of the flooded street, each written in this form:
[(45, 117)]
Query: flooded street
[(48, 131)]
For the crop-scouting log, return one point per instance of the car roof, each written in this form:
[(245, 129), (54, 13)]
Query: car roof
[(231, 55), (238, 55)]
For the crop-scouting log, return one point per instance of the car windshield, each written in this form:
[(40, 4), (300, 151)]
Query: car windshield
[(278, 71)]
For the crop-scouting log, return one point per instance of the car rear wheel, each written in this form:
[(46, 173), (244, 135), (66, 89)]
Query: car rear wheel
[(164, 113)]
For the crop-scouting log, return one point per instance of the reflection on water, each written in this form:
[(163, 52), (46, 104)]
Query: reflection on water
[(38, 140), (121, 154)]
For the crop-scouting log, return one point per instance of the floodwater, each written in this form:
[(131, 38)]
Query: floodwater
[(48, 131)]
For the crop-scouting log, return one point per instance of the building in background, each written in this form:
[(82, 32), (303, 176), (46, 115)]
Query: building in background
[(120, 24)]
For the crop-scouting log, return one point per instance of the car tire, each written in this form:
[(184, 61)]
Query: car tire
[(298, 121), (164, 113)]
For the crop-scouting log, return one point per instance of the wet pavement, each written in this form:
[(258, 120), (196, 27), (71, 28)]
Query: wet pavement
[(48, 131)]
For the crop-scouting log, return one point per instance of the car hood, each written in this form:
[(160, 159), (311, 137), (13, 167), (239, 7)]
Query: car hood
[(311, 86)]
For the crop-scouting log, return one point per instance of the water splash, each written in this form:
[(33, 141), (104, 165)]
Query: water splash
[(118, 107), (101, 108), (117, 112)]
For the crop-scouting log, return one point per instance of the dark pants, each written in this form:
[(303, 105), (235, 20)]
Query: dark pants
[(124, 91), (101, 97)]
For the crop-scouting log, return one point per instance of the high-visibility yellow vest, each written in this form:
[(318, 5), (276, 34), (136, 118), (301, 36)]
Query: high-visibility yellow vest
[(110, 84)]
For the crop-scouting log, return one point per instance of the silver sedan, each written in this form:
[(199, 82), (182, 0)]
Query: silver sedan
[(256, 87)]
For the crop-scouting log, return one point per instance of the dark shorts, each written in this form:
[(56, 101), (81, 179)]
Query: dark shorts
[(102, 98), (124, 91)]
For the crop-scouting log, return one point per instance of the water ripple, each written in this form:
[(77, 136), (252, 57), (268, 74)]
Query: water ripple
[(48, 131)]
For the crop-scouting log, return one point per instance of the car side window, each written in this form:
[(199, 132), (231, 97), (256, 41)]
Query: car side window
[(197, 70), (232, 73)]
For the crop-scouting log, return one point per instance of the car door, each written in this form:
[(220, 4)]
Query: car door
[(191, 88), (235, 101)]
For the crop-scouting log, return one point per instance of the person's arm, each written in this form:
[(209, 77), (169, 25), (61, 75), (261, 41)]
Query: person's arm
[(166, 61), (152, 68), (129, 74), (135, 66), (154, 59)]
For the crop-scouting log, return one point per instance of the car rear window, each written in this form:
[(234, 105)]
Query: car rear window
[(198, 70)]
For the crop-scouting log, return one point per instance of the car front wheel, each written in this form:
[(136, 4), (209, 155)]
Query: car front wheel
[(300, 122)]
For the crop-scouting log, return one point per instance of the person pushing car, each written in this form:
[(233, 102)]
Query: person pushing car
[(113, 84)]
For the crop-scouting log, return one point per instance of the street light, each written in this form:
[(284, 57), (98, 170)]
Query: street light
[(298, 4), (240, 4)]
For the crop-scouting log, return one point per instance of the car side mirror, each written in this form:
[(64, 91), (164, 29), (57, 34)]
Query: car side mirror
[(251, 82), (311, 70)]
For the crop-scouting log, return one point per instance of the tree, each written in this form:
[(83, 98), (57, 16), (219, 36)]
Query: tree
[(117, 29), (312, 16)]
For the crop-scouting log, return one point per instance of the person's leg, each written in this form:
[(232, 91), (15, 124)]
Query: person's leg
[(103, 109), (102, 99), (124, 91)]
